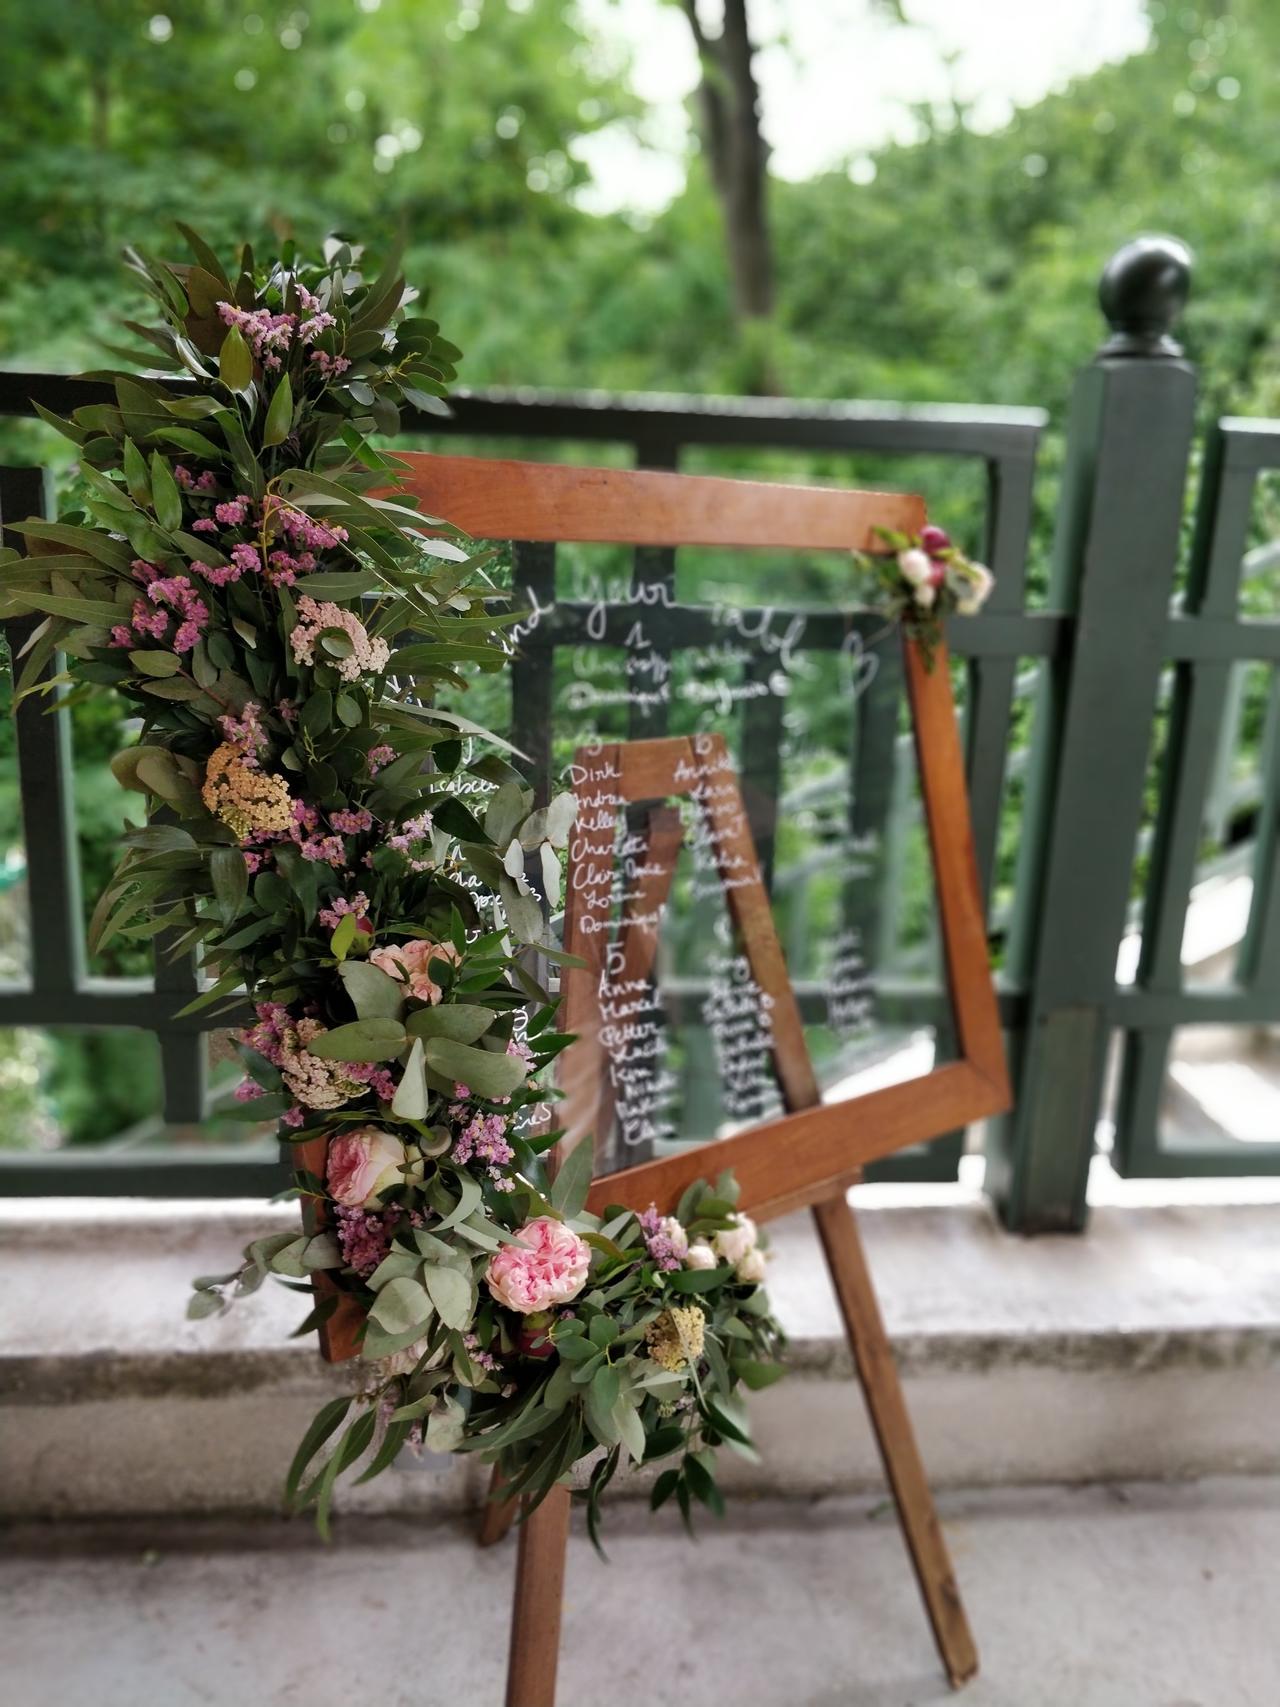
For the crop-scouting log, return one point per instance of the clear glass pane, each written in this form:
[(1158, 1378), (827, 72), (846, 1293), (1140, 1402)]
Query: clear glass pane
[(816, 732)]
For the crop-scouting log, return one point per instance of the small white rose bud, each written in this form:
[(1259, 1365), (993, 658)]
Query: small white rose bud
[(915, 566), (676, 1236), (926, 595), (982, 581), (700, 1255), (750, 1271), (734, 1242)]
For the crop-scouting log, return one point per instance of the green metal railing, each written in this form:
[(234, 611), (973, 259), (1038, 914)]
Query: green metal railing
[(1100, 651)]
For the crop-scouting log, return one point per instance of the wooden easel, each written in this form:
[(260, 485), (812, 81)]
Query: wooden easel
[(774, 1177), (811, 1155)]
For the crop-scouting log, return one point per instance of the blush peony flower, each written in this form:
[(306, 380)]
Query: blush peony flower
[(547, 1267), (409, 963), (362, 1164), (734, 1242)]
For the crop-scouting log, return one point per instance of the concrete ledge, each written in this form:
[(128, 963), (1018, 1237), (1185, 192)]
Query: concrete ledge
[(1131, 1596), (1149, 1348)]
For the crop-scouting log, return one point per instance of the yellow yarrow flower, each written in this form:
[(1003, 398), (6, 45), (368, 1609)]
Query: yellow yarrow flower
[(247, 799), (676, 1337)]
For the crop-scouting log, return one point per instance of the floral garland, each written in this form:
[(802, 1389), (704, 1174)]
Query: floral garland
[(924, 578), (353, 855)]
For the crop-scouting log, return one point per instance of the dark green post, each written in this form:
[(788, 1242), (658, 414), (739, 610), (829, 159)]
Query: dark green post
[(1128, 444)]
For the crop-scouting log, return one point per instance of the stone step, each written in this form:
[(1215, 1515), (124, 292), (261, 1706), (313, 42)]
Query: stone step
[(1148, 1348), (1133, 1595)]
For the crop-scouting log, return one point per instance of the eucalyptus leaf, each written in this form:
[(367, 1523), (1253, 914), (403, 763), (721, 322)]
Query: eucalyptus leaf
[(410, 1100), (485, 1072), (156, 663), (570, 1187), (462, 1022), (523, 911), (374, 994), (401, 1305), (361, 1040), (450, 1292)]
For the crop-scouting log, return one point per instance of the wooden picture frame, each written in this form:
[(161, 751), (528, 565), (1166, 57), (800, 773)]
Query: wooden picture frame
[(813, 1153), (824, 1146)]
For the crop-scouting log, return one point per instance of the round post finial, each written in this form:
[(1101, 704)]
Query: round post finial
[(1142, 291)]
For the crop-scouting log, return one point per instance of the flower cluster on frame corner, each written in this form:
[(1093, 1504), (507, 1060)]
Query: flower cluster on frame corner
[(366, 864), (923, 578)]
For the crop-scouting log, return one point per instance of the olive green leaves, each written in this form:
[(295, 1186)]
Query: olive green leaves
[(280, 414), (235, 362)]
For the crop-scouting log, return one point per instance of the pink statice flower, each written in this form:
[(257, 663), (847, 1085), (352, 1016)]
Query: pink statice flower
[(482, 1359), (364, 1235), (333, 915), (234, 512), (380, 1080), (331, 367), (665, 1239), (218, 574), (324, 850), (412, 841), (303, 531), (246, 733), (202, 483), (247, 558), (319, 319), (483, 1137), (268, 335), (283, 568), (379, 758), (170, 611)]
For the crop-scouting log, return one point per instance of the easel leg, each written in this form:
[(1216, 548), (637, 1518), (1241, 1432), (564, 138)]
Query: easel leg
[(535, 1617), (878, 1373), (498, 1515)]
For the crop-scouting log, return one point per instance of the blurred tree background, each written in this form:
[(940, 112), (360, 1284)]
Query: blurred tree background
[(959, 267), (963, 270)]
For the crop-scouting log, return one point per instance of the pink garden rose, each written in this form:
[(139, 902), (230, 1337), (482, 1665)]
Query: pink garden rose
[(362, 1164), (547, 1267), (409, 963)]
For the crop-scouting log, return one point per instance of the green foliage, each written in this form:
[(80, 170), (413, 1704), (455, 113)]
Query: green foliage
[(393, 1021), (644, 1366), (964, 272)]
